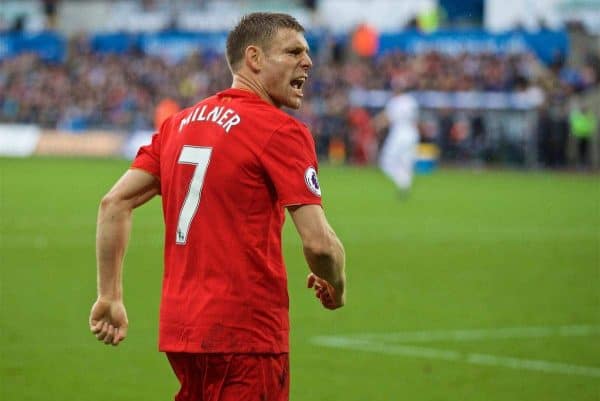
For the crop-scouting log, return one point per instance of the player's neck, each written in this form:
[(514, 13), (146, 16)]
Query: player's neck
[(240, 81)]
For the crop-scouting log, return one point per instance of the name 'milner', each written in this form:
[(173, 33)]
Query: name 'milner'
[(226, 118)]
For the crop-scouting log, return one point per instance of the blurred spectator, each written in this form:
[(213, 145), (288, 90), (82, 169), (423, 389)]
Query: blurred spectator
[(365, 40), (50, 7), (553, 131), (165, 109), (363, 137), (334, 141), (583, 125), (18, 26)]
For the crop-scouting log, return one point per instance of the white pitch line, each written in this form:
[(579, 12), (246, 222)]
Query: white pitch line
[(482, 334), (533, 364), (372, 343), (471, 358), (382, 348)]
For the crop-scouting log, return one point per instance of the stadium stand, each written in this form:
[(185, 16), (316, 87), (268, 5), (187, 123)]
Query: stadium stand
[(488, 97)]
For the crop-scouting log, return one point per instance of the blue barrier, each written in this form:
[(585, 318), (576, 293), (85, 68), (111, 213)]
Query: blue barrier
[(547, 45), (117, 43), (175, 45), (48, 45)]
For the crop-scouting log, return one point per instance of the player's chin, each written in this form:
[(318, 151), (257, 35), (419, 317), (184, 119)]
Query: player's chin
[(294, 103)]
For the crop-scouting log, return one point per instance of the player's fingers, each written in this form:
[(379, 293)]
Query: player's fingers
[(103, 332), (327, 302), (326, 299), (122, 334), (117, 337), (322, 283), (96, 326), (114, 336), (109, 334), (116, 340), (333, 304), (329, 290), (310, 281)]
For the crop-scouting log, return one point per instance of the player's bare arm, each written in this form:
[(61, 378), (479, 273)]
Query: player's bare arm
[(108, 317), (324, 254)]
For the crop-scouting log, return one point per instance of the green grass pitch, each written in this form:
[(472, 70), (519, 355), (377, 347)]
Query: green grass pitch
[(480, 286)]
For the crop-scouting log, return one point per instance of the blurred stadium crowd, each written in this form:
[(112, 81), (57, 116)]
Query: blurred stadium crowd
[(120, 92), (91, 90)]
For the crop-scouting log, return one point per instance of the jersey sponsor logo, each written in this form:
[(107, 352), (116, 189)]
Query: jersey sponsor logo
[(312, 182)]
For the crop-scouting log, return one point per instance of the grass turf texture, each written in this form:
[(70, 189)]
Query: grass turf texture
[(466, 250)]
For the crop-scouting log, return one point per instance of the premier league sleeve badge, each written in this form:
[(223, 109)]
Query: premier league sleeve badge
[(312, 182)]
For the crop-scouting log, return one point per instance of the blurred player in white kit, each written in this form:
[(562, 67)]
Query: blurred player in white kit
[(398, 153)]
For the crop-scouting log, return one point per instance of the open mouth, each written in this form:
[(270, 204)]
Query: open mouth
[(298, 83)]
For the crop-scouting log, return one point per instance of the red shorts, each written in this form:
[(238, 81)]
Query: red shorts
[(231, 377)]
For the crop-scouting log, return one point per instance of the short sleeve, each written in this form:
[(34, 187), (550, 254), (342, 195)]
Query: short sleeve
[(291, 162), (148, 157)]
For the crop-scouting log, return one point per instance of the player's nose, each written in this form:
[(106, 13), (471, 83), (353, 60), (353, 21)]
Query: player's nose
[(306, 62)]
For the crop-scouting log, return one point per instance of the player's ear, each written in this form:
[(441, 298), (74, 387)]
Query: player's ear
[(253, 57)]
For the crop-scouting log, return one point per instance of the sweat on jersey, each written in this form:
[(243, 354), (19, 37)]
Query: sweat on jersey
[(227, 168)]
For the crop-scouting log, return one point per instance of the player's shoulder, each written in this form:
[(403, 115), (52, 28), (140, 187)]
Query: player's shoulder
[(289, 126), (292, 123), (292, 132)]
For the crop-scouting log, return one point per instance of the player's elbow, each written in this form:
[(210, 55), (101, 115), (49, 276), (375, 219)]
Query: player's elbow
[(107, 202), (112, 202)]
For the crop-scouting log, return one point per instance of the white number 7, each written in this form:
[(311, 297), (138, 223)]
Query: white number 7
[(200, 158)]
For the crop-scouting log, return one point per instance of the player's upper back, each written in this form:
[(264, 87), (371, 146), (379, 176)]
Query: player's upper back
[(240, 149), (236, 124), (232, 112)]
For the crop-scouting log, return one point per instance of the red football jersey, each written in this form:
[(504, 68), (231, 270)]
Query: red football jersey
[(227, 168)]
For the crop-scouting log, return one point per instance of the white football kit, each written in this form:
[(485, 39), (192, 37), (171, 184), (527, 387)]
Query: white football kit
[(399, 150)]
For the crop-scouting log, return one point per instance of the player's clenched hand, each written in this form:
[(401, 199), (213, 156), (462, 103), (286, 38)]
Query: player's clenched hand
[(325, 292), (108, 321)]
